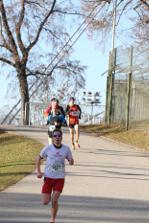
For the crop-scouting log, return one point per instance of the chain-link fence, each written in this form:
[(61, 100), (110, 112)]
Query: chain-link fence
[(127, 100)]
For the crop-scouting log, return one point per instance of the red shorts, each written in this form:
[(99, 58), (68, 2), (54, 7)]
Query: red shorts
[(51, 184), (73, 121), (72, 124)]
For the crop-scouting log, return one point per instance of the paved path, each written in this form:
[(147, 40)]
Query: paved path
[(109, 183)]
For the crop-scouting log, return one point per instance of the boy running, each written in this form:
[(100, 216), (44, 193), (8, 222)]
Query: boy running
[(54, 174)]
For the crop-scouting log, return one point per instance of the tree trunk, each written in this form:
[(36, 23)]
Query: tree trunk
[(24, 92)]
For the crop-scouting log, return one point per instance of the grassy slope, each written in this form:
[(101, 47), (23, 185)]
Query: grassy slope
[(17, 158), (137, 138)]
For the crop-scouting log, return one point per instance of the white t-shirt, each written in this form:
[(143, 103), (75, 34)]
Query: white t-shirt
[(55, 160)]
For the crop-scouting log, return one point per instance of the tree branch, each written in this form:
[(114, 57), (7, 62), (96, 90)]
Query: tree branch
[(39, 73), (125, 6), (7, 61), (145, 3), (52, 33), (68, 13), (6, 46), (41, 26), (8, 32), (33, 2), (4, 43), (18, 27)]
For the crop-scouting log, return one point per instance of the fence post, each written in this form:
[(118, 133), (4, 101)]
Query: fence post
[(107, 102), (129, 84), (27, 113), (111, 71), (107, 107), (111, 85)]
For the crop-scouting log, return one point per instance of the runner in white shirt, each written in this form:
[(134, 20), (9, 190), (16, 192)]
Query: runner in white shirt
[(54, 173)]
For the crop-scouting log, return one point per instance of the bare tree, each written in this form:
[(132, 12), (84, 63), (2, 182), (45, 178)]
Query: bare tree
[(66, 81), (26, 28), (134, 12), (142, 22)]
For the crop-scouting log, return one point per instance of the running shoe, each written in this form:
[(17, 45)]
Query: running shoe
[(77, 145), (73, 146)]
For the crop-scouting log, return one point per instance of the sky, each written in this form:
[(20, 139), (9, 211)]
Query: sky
[(91, 56), (96, 61)]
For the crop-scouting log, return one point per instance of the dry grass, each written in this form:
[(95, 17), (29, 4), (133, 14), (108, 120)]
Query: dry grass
[(133, 137), (17, 158)]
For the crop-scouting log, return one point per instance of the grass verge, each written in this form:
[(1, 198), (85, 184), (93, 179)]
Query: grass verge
[(136, 138), (17, 159)]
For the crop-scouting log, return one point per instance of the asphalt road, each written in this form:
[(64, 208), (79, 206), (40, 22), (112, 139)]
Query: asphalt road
[(109, 183)]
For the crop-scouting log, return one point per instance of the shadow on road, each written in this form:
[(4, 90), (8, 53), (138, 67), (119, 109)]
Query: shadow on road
[(27, 208), (116, 152)]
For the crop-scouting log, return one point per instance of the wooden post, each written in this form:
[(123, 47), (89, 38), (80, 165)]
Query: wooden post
[(112, 77), (107, 102), (109, 89), (129, 90)]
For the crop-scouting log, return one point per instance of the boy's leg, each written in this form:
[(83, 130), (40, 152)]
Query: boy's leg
[(54, 209), (71, 130), (57, 190), (46, 197), (77, 132), (46, 191)]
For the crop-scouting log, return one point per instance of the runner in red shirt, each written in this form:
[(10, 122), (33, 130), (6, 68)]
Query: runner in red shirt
[(74, 114)]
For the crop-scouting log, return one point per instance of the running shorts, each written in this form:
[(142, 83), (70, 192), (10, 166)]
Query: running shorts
[(51, 184)]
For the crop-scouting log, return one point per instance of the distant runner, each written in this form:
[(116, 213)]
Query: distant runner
[(55, 109), (55, 117), (74, 114)]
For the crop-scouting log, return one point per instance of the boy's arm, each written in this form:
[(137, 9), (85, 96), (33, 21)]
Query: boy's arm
[(62, 111), (80, 111), (71, 161), (39, 174), (67, 110), (70, 157)]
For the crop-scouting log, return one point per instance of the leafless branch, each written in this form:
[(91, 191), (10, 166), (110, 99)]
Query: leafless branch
[(4, 44), (52, 33), (68, 13), (145, 3), (38, 72), (18, 27), (7, 61), (8, 31), (41, 26), (32, 2), (125, 6)]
